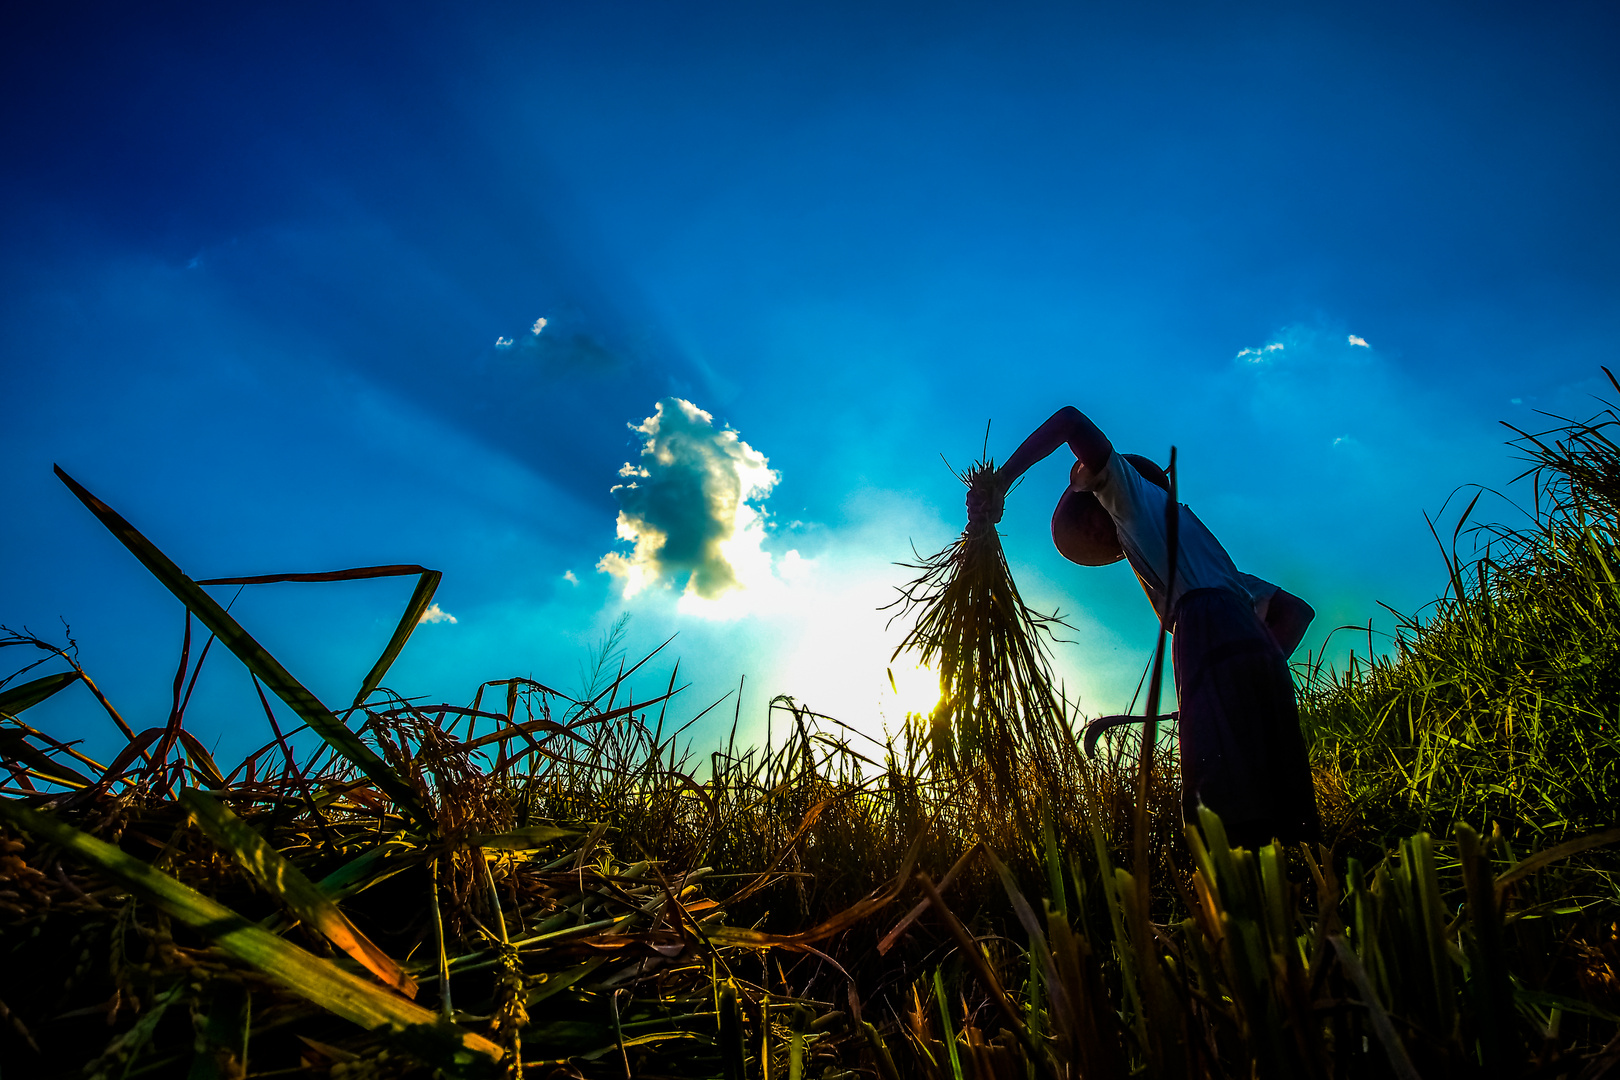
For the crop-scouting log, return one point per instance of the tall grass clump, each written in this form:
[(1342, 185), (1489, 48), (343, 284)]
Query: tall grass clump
[(532, 880), (1501, 702), (397, 903)]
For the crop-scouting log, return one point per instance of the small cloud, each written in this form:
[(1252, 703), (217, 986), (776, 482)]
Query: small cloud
[(503, 343), (436, 614), (1515, 401), (1256, 356), (1345, 441), (1359, 341), (568, 576), (539, 325), (687, 507)]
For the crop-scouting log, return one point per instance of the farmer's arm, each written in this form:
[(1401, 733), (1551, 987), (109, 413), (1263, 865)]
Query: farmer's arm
[(1067, 425), (1287, 616)]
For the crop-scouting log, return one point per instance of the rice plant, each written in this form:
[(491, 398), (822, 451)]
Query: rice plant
[(1433, 963), (1499, 702)]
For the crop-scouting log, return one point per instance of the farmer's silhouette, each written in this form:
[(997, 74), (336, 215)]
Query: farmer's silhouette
[(1242, 754)]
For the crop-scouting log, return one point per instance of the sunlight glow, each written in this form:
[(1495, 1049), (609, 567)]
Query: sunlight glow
[(916, 687)]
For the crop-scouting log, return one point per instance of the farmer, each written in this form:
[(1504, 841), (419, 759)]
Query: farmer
[(1242, 754)]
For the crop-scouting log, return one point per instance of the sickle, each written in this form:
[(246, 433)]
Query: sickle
[(1095, 728)]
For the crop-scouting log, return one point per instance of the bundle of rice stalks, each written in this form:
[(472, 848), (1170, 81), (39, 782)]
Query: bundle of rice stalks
[(997, 705)]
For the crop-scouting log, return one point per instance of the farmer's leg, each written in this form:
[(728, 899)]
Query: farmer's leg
[(1241, 750)]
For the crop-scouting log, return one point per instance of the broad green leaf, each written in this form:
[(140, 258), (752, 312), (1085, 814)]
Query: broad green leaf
[(255, 656), (29, 694), (288, 884), (309, 976)]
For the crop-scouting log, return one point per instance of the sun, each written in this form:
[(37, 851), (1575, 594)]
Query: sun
[(915, 687)]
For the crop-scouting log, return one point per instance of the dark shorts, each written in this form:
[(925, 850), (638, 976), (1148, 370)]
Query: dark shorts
[(1242, 754)]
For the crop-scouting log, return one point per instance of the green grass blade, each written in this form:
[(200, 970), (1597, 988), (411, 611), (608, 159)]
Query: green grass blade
[(1500, 1049), (420, 599), (1026, 916), (1399, 1063), (881, 1057), (1276, 902), (361, 872), (14, 745), (287, 884), (524, 839), (427, 582), (733, 1052), (1054, 864), (221, 1050), (1432, 912), (798, 1020), (946, 1035), (201, 758), (309, 976), (1542, 859), (257, 659)]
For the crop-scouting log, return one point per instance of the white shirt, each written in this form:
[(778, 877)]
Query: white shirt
[(1137, 506)]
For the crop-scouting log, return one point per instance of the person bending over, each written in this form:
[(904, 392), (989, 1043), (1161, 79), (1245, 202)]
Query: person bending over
[(1242, 754)]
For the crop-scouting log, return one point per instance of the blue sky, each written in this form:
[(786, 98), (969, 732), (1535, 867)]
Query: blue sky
[(257, 264)]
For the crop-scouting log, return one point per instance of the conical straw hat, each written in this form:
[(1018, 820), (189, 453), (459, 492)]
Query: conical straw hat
[(1082, 529)]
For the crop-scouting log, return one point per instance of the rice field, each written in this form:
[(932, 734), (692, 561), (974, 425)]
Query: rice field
[(544, 884)]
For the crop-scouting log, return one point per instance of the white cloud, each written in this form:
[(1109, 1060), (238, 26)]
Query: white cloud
[(568, 576), (539, 325), (814, 629), (687, 507), (1328, 395), (503, 342), (1263, 353), (436, 614)]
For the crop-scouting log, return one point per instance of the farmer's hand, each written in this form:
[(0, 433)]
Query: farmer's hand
[(984, 506)]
